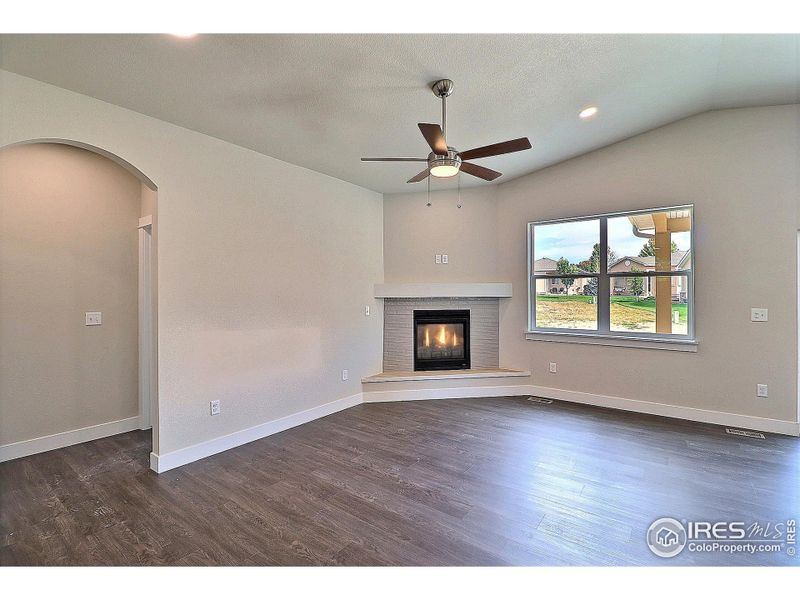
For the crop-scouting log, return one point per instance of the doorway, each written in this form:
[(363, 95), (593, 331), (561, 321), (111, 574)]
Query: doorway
[(75, 228), (146, 348)]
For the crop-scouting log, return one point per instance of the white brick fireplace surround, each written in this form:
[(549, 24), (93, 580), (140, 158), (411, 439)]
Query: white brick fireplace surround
[(398, 329), (399, 380), (485, 378)]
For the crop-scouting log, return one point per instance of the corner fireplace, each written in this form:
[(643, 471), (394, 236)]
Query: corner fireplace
[(441, 340)]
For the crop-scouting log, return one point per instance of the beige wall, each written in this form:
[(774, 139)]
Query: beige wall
[(415, 233), (264, 268), (740, 169), (68, 244)]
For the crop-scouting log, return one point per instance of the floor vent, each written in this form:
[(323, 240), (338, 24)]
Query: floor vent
[(540, 400), (745, 433)]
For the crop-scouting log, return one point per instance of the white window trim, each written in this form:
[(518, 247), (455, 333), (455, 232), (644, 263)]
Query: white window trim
[(604, 336), (623, 341)]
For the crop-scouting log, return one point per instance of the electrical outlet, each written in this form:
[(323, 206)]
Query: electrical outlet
[(366, 310), (445, 259), (438, 259), (553, 367), (759, 315), (762, 390), (214, 407), (345, 375), (94, 318)]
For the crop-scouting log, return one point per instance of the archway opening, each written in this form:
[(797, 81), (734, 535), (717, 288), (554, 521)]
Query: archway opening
[(79, 253)]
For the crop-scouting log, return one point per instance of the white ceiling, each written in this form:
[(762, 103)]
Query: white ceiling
[(323, 101)]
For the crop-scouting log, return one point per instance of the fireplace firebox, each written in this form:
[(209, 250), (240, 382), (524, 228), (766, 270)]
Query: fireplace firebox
[(441, 340)]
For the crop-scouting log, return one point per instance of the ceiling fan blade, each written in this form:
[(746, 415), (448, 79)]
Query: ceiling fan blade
[(434, 136), (419, 176), (495, 149), (479, 171), (395, 159)]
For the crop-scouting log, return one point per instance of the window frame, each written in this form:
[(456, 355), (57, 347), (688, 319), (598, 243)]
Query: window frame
[(603, 303)]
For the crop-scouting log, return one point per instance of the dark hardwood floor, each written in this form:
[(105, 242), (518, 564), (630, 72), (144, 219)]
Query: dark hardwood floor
[(489, 481)]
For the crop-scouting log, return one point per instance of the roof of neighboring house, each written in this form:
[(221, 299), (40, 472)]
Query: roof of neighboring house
[(677, 260), (545, 264)]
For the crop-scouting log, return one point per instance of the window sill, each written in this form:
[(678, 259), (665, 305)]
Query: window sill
[(681, 345)]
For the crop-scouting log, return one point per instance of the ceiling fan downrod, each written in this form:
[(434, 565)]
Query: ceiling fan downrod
[(442, 89)]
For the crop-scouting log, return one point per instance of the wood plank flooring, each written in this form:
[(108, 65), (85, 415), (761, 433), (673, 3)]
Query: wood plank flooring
[(487, 481)]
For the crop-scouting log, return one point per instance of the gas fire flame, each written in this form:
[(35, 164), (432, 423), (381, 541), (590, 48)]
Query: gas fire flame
[(441, 337)]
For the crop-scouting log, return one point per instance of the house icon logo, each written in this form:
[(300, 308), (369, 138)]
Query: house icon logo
[(666, 537)]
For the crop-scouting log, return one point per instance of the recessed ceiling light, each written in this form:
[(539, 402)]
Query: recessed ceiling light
[(588, 112), (184, 35)]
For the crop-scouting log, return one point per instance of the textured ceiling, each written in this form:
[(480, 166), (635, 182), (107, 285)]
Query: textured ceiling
[(323, 101)]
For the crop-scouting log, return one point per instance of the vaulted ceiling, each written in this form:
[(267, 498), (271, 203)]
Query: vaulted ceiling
[(323, 101)]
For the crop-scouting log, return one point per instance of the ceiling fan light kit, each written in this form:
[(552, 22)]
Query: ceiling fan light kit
[(444, 166), (447, 161)]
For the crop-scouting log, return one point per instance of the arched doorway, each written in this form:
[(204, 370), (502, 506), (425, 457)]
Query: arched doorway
[(104, 153), (145, 301)]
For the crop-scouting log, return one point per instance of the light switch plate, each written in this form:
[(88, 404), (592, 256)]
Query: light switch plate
[(94, 318), (445, 259), (762, 390), (215, 407), (759, 315), (438, 259)]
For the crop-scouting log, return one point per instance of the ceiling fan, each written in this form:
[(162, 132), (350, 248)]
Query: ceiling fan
[(446, 161)]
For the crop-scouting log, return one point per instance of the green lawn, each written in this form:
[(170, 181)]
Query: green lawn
[(645, 304), (648, 304)]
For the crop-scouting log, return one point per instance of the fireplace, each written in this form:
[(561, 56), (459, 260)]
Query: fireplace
[(441, 340)]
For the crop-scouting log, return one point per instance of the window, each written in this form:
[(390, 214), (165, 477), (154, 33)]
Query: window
[(621, 275)]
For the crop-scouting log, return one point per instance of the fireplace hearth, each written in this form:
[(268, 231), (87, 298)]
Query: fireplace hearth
[(441, 340)]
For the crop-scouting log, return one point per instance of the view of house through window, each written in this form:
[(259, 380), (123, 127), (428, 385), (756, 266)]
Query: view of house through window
[(626, 274)]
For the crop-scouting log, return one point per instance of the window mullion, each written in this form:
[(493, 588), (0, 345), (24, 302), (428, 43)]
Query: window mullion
[(603, 282), (531, 281)]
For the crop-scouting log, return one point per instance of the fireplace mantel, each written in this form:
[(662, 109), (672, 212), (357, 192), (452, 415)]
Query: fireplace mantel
[(443, 290)]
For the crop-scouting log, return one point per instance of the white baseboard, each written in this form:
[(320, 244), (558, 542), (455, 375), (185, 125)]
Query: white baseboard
[(177, 458), (639, 406), (67, 438), (669, 410)]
